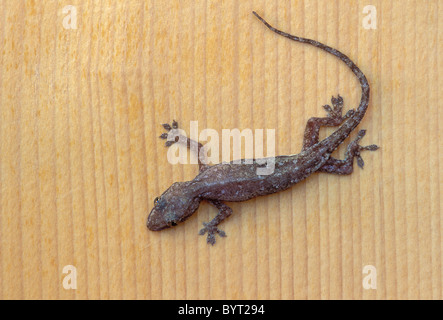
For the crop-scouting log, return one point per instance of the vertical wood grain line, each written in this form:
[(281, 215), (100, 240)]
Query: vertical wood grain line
[(173, 98), (152, 114), (439, 39), (439, 126), (259, 93), (100, 145), (47, 171), (389, 137), (54, 121), (271, 99), (159, 292), (2, 67), (80, 231), (19, 99), (430, 159), (253, 125), (35, 267), (199, 101), (37, 131), (379, 227), (339, 185), (132, 165), (114, 108), (180, 253), (398, 152), (408, 130), (89, 100), (129, 161), (377, 107), (236, 100), (277, 222), (360, 204), (291, 105), (92, 237), (188, 35), (313, 205), (423, 177), (65, 115), (254, 209), (414, 166), (325, 218), (141, 293), (202, 257), (113, 138), (303, 115)]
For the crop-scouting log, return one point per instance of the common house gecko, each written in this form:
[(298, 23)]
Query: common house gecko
[(234, 182)]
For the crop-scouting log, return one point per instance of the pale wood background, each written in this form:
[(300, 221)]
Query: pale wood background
[(80, 162)]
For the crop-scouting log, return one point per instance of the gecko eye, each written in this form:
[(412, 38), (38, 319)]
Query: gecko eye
[(171, 223), (156, 200)]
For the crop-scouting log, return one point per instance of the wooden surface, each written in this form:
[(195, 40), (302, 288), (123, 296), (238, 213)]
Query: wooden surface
[(81, 162)]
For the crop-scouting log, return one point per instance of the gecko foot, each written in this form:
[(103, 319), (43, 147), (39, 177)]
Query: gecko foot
[(346, 166), (354, 148), (211, 229), (336, 113), (170, 128)]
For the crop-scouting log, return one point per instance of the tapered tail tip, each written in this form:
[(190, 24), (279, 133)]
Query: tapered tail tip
[(261, 19)]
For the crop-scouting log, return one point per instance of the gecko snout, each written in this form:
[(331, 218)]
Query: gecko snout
[(156, 221)]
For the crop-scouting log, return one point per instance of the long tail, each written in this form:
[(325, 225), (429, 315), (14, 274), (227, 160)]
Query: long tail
[(335, 139)]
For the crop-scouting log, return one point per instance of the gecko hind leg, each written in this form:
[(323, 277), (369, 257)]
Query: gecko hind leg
[(346, 166), (224, 211), (335, 118), (174, 136)]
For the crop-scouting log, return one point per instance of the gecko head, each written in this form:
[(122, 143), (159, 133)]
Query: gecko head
[(175, 205)]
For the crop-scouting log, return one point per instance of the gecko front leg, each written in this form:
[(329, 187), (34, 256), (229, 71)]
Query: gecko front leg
[(224, 211), (174, 136)]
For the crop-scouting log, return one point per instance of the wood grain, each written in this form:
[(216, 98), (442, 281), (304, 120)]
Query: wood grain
[(81, 162)]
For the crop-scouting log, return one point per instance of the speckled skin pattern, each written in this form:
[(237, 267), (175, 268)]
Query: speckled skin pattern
[(240, 182)]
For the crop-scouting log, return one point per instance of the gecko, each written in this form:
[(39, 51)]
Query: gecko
[(236, 182)]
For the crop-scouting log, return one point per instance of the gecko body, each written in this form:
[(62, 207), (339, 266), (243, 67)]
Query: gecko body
[(234, 182)]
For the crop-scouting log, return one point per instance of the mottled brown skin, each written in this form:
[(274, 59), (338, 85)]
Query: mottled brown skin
[(240, 182)]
